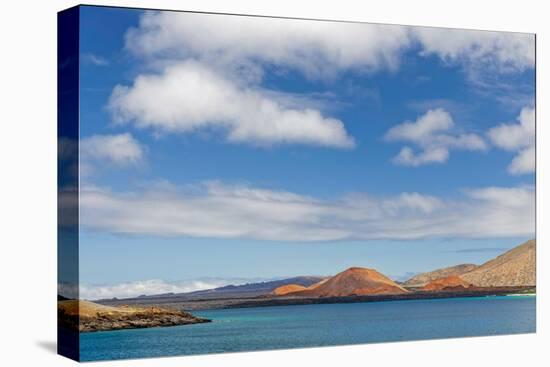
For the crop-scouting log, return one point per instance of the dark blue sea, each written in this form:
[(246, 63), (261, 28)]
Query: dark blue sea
[(283, 327)]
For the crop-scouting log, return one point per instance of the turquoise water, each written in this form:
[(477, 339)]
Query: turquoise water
[(264, 328)]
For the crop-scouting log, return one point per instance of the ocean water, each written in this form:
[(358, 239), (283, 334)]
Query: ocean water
[(283, 327)]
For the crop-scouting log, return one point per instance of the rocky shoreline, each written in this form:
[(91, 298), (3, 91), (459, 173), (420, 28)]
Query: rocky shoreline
[(87, 316)]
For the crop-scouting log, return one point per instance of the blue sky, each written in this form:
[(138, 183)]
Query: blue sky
[(273, 149)]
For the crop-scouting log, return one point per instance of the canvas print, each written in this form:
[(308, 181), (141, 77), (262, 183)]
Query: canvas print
[(233, 183)]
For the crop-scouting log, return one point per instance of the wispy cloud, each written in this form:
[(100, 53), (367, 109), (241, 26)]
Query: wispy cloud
[(94, 59), (216, 210), (503, 52), (493, 62)]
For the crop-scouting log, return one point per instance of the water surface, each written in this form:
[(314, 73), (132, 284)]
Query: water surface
[(282, 327)]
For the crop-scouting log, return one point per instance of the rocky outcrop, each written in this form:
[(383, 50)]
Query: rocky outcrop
[(353, 282), (516, 267), (86, 316), (421, 280)]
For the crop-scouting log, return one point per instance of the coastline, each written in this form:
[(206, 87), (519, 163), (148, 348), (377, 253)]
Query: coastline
[(375, 298), (268, 301), (84, 316)]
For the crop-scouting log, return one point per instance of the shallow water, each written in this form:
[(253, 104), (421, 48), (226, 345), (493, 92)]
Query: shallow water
[(282, 327)]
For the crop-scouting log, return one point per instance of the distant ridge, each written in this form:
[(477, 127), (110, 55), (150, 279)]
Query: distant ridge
[(516, 267), (230, 291), (422, 279), (353, 282), (255, 289)]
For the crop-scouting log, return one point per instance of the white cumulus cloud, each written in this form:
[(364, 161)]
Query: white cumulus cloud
[(205, 71), (518, 137), (313, 47), (433, 134), (190, 96), (319, 48)]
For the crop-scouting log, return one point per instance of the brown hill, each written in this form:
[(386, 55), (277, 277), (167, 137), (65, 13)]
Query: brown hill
[(516, 267), (89, 316), (353, 281), (288, 288), (450, 283), (421, 280)]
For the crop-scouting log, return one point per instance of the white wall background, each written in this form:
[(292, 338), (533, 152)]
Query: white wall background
[(28, 182)]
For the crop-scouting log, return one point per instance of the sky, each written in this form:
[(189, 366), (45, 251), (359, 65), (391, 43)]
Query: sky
[(219, 149)]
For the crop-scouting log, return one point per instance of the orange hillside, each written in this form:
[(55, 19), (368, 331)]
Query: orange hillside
[(353, 281), (452, 282), (288, 288)]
